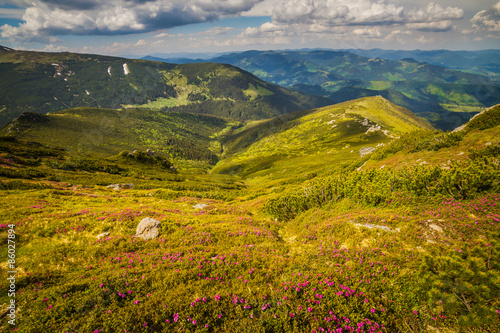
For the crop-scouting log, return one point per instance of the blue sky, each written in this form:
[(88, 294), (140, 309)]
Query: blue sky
[(140, 27)]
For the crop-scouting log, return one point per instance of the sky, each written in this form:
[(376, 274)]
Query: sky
[(142, 27)]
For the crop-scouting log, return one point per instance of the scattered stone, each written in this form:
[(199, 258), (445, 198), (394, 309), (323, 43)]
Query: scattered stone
[(148, 228), (118, 187), (149, 152), (200, 206), (373, 128), (104, 234), (358, 169), (374, 226), (366, 150), (436, 227)]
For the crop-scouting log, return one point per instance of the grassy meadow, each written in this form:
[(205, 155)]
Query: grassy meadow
[(293, 237)]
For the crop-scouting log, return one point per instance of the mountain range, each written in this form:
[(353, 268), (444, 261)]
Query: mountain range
[(484, 62), (446, 97)]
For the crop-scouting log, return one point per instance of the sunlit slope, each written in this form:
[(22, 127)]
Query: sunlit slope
[(417, 166), (477, 138), (306, 141)]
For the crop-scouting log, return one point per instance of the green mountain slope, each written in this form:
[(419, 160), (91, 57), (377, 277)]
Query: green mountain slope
[(313, 139), (430, 90), (47, 82), (458, 164), (106, 132)]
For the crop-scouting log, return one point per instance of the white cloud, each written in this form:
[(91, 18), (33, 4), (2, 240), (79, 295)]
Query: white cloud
[(496, 8), (164, 35), (359, 20), (50, 17), (337, 12), (267, 28), (432, 26), (216, 31), (487, 20), (425, 40), (372, 32), (55, 48), (264, 8), (434, 12)]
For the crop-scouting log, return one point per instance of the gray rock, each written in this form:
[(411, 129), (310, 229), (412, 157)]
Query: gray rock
[(118, 187), (148, 228), (104, 234), (366, 150), (200, 206), (374, 226), (436, 227)]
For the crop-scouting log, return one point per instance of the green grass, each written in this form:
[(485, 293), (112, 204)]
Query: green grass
[(255, 91), (380, 85), (161, 103), (323, 136)]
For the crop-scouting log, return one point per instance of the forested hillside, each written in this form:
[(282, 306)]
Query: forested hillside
[(47, 82)]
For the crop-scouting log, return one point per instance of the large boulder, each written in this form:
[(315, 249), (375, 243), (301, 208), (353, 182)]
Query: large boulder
[(148, 228)]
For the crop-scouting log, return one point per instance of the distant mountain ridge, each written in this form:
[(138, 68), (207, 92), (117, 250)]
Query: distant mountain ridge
[(446, 97), (47, 82), (485, 62)]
